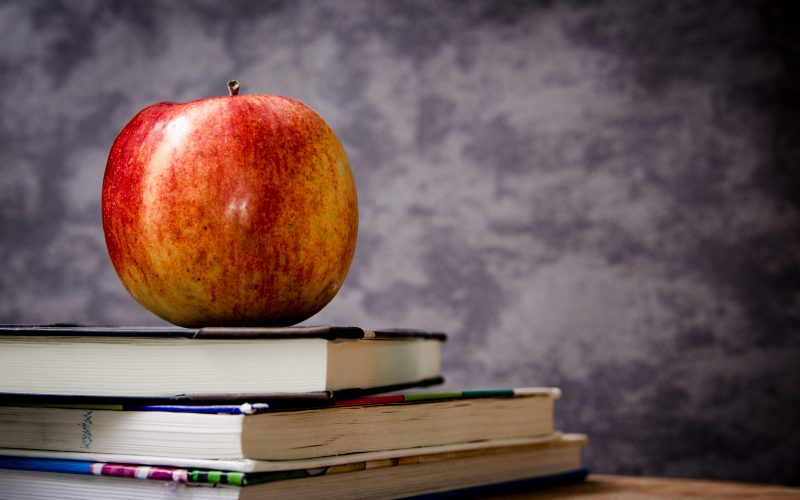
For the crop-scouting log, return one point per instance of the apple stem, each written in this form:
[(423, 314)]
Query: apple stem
[(233, 87)]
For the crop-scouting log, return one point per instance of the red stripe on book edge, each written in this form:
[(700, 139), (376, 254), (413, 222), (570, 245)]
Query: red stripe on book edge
[(159, 474), (119, 470), (373, 400)]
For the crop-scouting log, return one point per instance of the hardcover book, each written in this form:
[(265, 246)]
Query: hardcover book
[(212, 364), (268, 432), (432, 471)]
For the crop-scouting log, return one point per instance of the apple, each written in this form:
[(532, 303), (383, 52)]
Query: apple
[(236, 210)]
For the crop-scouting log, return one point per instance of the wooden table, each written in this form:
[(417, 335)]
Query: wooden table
[(598, 486)]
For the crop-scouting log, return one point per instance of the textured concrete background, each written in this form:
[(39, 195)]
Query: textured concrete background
[(601, 197)]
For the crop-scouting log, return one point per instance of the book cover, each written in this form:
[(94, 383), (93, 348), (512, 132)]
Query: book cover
[(207, 333), (338, 402)]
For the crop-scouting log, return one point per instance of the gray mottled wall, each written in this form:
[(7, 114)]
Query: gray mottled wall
[(600, 196)]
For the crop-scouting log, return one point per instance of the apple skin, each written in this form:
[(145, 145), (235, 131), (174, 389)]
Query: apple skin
[(236, 210)]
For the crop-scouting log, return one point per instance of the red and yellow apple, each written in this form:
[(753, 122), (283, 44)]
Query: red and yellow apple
[(230, 211)]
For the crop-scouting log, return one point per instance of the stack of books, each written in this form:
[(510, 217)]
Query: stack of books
[(300, 412)]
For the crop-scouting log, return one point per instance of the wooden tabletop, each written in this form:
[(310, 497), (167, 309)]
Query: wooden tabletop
[(598, 486)]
